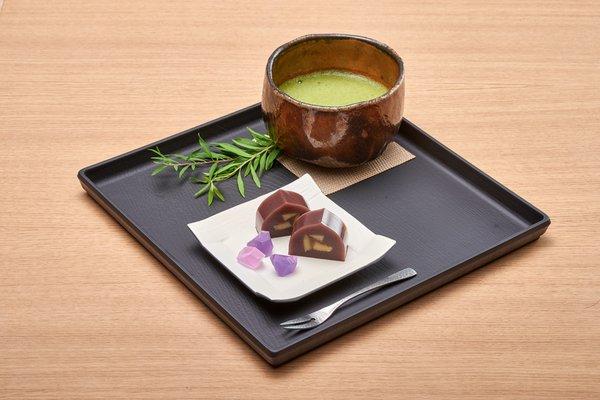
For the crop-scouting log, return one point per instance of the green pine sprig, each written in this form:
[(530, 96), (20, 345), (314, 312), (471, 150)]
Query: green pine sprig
[(241, 157)]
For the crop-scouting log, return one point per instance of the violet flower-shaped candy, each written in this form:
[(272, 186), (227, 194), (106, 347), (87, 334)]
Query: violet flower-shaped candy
[(284, 265), (250, 257), (263, 243)]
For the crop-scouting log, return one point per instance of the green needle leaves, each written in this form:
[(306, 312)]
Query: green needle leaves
[(240, 184), (242, 157)]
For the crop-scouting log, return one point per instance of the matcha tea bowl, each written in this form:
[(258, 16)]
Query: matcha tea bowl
[(333, 100)]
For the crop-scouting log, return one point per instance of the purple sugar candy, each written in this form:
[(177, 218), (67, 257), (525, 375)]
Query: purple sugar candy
[(250, 257), (263, 243), (284, 265)]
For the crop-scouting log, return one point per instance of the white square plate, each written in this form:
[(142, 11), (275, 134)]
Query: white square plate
[(226, 233)]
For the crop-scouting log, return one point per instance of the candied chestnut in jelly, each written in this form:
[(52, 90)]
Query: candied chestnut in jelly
[(277, 213), (319, 234)]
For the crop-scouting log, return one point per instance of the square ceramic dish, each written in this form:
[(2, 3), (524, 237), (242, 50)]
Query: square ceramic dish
[(446, 216), (224, 234)]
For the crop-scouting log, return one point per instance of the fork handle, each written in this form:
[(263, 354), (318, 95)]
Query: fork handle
[(393, 278)]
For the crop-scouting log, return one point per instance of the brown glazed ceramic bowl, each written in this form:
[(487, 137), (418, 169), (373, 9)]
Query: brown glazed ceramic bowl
[(342, 136)]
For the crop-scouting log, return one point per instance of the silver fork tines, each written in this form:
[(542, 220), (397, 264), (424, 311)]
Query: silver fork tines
[(295, 321), (316, 318)]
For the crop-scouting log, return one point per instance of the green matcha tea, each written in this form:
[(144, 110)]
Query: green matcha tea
[(332, 88)]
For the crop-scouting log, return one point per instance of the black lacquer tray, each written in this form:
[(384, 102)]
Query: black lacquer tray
[(447, 217)]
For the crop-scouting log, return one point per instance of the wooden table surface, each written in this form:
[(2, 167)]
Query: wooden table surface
[(86, 312)]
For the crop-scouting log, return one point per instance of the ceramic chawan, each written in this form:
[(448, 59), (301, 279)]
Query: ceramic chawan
[(338, 136)]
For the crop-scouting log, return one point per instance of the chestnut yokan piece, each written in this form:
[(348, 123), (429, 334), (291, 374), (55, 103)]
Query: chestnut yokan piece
[(319, 234), (278, 212)]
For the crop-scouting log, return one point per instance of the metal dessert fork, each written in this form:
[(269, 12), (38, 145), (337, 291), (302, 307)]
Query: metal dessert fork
[(316, 318)]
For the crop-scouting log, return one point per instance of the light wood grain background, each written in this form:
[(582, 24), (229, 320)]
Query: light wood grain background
[(86, 312)]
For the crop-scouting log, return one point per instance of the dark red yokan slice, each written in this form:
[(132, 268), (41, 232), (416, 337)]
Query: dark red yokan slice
[(278, 212), (319, 234)]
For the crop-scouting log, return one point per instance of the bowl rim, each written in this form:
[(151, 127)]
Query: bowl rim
[(335, 36)]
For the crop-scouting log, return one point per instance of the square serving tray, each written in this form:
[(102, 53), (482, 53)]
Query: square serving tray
[(447, 217)]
